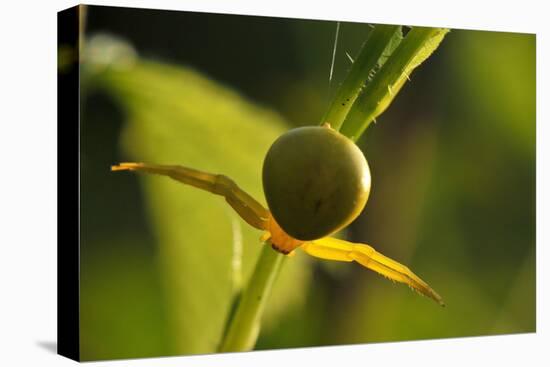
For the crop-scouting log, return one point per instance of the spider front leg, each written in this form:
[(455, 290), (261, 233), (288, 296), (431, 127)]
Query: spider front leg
[(339, 250), (244, 204)]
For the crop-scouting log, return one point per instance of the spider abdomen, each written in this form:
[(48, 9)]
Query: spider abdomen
[(316, 181)]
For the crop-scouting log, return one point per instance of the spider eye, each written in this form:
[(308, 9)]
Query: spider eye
[(316, 181)]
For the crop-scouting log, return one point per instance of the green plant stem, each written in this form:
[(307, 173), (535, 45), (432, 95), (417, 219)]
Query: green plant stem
[(416, 47), (366, 63), (376, 76), (244, 327)]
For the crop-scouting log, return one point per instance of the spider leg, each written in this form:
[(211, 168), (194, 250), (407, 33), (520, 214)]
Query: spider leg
[(244, 204), (339, 250)]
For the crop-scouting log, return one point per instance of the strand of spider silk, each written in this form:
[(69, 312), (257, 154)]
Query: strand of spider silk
[(334, 48), (244, 327), (371, 54), (377, 95)]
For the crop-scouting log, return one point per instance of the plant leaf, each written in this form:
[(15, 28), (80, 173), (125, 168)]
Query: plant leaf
[(416, 47), (380, 43), (177, 116)]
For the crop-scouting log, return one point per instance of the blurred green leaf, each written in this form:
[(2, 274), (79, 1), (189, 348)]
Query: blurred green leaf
[(121, 304), (177, 116)]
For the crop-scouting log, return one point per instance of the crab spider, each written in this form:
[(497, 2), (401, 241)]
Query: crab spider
[(257, 216)]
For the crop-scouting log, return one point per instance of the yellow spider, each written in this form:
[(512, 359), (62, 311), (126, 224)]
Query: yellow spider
[(257, 216)]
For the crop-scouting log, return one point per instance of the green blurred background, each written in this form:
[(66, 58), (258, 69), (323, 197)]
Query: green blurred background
[(453, 195)]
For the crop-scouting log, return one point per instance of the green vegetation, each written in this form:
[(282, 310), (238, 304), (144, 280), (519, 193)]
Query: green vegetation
[(382, 80), (163, 264)]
